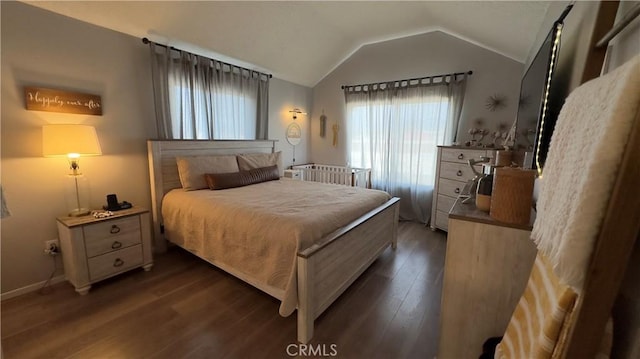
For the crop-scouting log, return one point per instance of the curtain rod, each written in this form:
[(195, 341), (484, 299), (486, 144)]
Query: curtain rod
[(409, 80), (630, 16), (147, 41)]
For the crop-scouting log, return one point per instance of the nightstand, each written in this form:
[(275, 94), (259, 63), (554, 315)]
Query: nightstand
[(94, 249), (293, 174)]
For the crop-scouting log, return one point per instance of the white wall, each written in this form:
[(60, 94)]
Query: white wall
[(40, 48), (46, 50), (284, 97), (427, 54)]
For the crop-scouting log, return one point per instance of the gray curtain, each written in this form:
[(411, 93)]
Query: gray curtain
[(201, 98), (457, 88)]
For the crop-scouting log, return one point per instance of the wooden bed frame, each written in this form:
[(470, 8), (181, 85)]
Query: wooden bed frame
[(325, 270)]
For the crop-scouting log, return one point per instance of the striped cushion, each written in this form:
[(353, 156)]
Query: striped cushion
[(536, 323)]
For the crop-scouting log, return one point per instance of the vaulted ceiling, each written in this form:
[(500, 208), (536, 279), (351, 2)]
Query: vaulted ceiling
[(303, 41)]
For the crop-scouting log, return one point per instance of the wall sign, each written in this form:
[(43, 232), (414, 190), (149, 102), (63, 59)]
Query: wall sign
[(43, 99)]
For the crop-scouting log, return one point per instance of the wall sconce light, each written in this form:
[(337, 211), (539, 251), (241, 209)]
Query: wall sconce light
[(72, 141), (296, 111)]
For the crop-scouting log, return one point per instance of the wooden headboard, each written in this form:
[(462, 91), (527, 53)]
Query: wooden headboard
[(163, 170)]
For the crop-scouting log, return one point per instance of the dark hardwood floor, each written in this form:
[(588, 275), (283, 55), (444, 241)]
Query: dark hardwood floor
[(186, 308)]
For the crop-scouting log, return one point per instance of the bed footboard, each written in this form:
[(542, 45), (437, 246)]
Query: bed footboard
[(326, 269)]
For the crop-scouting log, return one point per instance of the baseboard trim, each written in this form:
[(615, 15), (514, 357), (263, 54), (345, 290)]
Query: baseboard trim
[(30, 288)]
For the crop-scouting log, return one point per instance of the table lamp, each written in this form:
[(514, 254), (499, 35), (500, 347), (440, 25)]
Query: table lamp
[(72, 141)]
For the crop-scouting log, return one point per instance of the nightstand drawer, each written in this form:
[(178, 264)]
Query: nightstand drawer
[(115, 262), (116, 227), (100, 246)]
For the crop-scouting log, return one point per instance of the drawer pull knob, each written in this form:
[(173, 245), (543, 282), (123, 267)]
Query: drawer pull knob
[(457, 190), (459, 173), (460, 156), (118, 262), (114, 229), (116, 245)]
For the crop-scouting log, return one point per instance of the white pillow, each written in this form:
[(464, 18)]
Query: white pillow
[(249, 161), (192, 169)]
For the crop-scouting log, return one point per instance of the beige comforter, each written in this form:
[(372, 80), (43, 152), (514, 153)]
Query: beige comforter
[(258, 229)]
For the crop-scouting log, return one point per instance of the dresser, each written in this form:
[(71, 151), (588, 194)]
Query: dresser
[(487, 266), (94, 249), (452, 174)]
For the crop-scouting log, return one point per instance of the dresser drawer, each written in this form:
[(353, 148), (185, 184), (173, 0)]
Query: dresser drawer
[(100, 246), (442, 220), (445, 203), (457, 171), (460, 156), (113, 228), (449, 187), (115, 262)]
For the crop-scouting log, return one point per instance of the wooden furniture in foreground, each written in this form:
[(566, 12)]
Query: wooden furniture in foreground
[(452, 174), (94, 249), (326, 269), (487, 265)]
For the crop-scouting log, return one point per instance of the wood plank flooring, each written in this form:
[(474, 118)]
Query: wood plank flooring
[(186, 308)]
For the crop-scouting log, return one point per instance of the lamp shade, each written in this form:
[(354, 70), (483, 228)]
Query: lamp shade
[(70, 141)]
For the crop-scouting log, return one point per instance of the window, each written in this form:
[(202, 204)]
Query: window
[(395, 132), (225, 114), (405, 135), (202, 98)]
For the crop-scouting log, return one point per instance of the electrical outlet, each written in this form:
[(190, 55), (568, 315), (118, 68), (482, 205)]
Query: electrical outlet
[(52, 247)]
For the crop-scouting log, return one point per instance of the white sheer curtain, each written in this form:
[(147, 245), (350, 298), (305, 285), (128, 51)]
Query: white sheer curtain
[(201, 98), (394, 130)]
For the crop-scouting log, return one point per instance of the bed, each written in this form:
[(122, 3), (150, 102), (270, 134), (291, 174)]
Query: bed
[(318, 253)]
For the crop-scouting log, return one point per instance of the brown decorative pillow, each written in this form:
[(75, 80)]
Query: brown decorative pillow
[(217, 181)]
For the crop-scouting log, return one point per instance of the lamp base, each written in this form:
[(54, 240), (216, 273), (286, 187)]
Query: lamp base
[(77, 195), (79, 212)]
